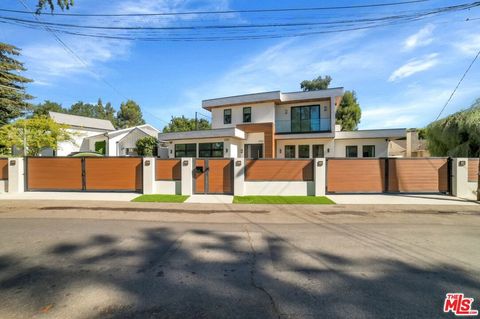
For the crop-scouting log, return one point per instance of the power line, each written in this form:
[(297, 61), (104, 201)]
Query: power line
[(224, 11), (250, 26), (459, 82)]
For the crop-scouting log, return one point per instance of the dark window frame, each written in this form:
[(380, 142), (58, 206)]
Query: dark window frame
[(347, 153), (294, 151), (249, 114), (227, 118), (300, 125), (214, 151), (363, 150), (300, 151), (319, 146), (185, 152)]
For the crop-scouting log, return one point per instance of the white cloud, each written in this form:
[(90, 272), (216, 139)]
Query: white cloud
[(422, 38), (414, 66), (469, 45)]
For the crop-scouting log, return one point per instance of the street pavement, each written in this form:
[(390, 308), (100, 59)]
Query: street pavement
[(66, 259)]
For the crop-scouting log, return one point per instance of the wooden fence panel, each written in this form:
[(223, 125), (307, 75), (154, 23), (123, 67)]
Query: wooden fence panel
[(356, 175), (168, 170), (114, 174), (54, 173), (3, 168), (420, 175), (220, 176), (279, 170), (473, 169)]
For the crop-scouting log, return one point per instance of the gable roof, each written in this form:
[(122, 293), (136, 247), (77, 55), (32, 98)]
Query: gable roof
[(144, 128), (81, 121)]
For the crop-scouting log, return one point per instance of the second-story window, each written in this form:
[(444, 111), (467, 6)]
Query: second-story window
[(247, 114), (227, 116)]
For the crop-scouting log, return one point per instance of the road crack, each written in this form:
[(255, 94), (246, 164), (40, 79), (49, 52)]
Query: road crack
[(254, 284)]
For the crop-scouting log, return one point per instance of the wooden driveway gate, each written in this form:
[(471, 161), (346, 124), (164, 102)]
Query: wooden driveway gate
[(213, 176), (84, 174), (392, 175)]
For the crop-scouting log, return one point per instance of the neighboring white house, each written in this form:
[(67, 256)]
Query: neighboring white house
[(87, 131), (279, 125)]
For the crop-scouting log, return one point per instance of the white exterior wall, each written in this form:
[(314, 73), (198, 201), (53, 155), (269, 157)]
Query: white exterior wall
[(113, 147), (381, 146), (80, 144), (261, 113), (168, 187), (328, 146), (3, 186), (93, 140), (282, 112), (294, 188)]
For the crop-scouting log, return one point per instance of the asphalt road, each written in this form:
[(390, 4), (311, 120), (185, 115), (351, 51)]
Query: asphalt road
[(106, 260)]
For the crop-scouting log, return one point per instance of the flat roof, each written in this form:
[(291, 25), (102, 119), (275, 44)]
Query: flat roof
[(223, 132), (271, 96), (377, 133)]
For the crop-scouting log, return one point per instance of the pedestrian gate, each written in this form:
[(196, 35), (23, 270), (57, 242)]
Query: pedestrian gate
[(213, 176)]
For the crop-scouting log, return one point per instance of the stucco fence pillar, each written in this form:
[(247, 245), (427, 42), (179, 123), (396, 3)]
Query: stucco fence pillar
[(238, 176), (16, 175), (461, 186), (187, 176), (320, 176), (149, 175)]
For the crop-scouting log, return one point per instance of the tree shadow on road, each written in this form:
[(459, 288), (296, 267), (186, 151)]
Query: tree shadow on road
[(161, 273)]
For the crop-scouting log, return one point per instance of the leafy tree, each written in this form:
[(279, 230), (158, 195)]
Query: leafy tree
[(82, 109), (147, 146), (457, 135), (110, 113), (316, 84), (13, 98), (42, 109), (63, 4), (41, 132), (183, 124), (348, 112), (99, 110), (129, 115)]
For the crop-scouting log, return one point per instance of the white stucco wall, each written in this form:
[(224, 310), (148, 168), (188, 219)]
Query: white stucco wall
[(328, 146), (168, 187), (261, 113), (79, 144), (295, 188), (381, 146)]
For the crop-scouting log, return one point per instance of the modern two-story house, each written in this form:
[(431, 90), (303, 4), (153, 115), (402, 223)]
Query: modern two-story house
[(278, 125)]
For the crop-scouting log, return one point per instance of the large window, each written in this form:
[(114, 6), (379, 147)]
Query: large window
[(227, 116), (306, 119), (210, 149), (351, 151), (289, 151), (304, 151), (318, 151), (186, 150), (247, 114), (368, 151)]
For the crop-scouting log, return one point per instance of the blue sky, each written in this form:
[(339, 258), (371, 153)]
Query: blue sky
[(403, 74)]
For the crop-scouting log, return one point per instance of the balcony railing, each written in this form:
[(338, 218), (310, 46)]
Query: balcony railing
[(303, 126)]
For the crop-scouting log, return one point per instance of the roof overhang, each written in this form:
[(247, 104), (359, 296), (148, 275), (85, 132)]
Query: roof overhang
[(193, 135), (382, 133)]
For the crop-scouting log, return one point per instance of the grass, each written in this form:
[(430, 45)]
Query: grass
[(282, 200), (157, 198)]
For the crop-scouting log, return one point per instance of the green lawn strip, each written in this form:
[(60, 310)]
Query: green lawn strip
[(157, 198), (282, 200)]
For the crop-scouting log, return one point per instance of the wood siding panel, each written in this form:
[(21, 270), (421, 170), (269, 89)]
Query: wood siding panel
[(54, 173), (268, 129), (122, 174), (3, 168), (220, 176), (199, 177), (279, 170), (356, 175), (429, 175), (168, 170), (473, 169)]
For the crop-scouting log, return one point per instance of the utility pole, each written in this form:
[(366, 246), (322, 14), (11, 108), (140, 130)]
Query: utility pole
[(25, 132), (196, 122), (478, 180)]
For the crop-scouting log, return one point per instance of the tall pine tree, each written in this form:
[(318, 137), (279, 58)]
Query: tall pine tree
[(13, 98)]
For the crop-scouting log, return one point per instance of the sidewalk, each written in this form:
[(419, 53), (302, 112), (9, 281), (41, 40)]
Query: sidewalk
[(400, 199), (90, 196)]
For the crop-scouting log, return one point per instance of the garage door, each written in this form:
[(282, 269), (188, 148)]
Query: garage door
[(54, 173), (113, 174)]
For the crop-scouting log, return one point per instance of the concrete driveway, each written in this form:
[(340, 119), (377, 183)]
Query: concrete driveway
[(133, 260)]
